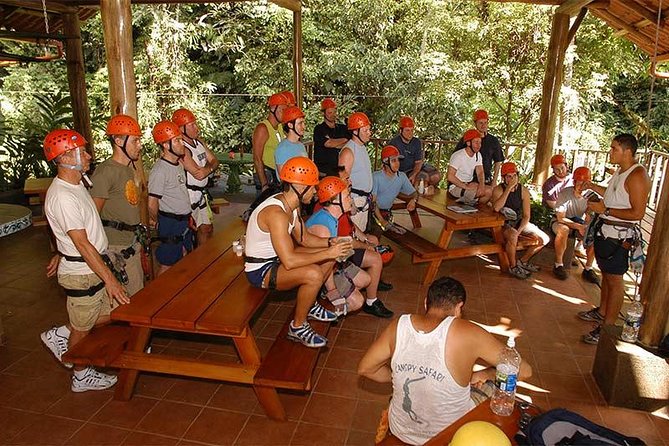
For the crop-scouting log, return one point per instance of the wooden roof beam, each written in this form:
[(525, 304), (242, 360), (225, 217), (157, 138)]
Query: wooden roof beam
[(662, 57), (616, 22), (37, 5), (572, 7), (293, 5), (534, 2), (644, 12)]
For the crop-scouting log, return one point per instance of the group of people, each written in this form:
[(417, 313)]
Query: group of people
[(102, 247)]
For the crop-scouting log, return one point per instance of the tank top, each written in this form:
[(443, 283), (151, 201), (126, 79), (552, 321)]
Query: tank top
[(275, 135), (259, 242), (195, 186), (324, 218), (426, 398), (361, 171), (515, 200), (617, 197)]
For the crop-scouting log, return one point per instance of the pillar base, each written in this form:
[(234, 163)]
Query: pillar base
[(629, 375)]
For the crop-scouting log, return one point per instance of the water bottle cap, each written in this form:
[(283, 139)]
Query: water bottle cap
[(235, 243), (637, 298), (511, 342)]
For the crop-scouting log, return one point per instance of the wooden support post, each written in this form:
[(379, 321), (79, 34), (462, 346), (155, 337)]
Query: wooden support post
[(297, 57), (655, 284), (117, 28), (76, 78)]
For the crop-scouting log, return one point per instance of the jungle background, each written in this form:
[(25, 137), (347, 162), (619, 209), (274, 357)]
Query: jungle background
[(435, 60)]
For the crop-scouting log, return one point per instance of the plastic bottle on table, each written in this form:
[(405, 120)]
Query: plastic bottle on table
[(504, 395), (632, 321), (421, 186)]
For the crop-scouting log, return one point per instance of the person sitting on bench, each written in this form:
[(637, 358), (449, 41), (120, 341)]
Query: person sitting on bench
[(465, 171), (512, 199), (362, 269), (274, 260), (429, 358), (570, 216)]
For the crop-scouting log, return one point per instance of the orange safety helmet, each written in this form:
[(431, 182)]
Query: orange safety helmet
[(165, 131), (278, 99), (60, 141), (582, 174), (330, 187), (558, 159), (123, 125), (389, 152), (328, 103), (508, 168), (480, 114), (183, 116), (406, 122), (471, 134), (358, 120), (290, 97), (386, 252), (299, 170), (291, 114)]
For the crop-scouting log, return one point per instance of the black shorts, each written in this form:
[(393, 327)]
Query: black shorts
[(612, 257), (356, 258)]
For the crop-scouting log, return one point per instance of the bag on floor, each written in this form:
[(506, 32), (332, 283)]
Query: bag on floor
[(563, 427)]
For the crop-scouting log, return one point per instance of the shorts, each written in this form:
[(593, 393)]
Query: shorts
[(257, 277), (170, 252), (202, 215), (270, 176), (572, 232), (612, 257), (133, 267), (343, 279), (357, 257), (467, 194), (85, 311), (361, 218)]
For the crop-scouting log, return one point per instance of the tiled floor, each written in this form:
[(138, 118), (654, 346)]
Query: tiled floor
[(37, 407)]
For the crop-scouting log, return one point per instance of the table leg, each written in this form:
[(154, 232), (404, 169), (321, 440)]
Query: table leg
[(499, 239), (433, 268), (268, 397), (128, 378), (234, 184), (415, 219)]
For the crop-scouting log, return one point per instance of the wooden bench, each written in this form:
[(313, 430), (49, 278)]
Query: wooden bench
[(421, 248), (101, 347), (217, 203)]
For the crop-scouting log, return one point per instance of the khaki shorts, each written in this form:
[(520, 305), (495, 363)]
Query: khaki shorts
[(202, 216), (133, 267), (84, 312), (360, 218), (466, 194)]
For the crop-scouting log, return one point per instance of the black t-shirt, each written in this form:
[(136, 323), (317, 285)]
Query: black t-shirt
[(327, 158), (491, 152)]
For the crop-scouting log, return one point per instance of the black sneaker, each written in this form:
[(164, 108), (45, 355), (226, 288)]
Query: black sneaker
[(385, 286), (589, 275), (592, 315), (560, 272), (592, 338), (377, 309)]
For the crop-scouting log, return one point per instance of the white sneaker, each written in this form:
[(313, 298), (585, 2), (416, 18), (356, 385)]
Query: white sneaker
[(56, 341), (91, 379)]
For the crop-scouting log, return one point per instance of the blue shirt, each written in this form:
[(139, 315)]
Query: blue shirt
[(412, 152), (287, 150), (324, 218), (387, 188)]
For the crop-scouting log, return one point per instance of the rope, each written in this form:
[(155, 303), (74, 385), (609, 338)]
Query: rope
[(652, 78), (46, 24)]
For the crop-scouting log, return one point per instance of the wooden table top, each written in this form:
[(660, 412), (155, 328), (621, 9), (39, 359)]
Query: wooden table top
[(437, 204)]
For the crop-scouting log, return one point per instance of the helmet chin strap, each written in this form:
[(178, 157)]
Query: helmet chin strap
[(79, 167), (173, 152), (295, 130), (125, 152), (387, 163), (273, 111)]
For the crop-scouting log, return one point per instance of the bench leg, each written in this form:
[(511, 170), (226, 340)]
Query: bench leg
[(415, 219), (431, 272), (503, 258), (444, 240), (267, 396), (128, 378)]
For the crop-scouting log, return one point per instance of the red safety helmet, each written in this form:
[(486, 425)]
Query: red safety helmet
[(358, 120), (183, 116), (299, 170), (406, 122), (291, 114), (386, 252), (508, 168), (330, 187), (582, 174), (558, 159), (165, 131), (60, 141), (471, 134), (480, 114), (328, 103), (389, 152), (278, 99), (290, 97), (123, 125)]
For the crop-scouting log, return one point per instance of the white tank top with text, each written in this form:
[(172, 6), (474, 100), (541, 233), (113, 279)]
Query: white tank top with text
[(259, 242)]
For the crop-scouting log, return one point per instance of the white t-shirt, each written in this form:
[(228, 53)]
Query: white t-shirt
[(67, 207), (465, 165)]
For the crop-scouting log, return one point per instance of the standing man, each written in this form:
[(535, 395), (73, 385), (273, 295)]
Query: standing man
[(413, 162), (116, 196), (491, 149), (620, 215), (355, 159), (556, 182), (169, 203), (465, 171), (89, 284), (266, 137), (329, 137), (200, 164), (293, 127)]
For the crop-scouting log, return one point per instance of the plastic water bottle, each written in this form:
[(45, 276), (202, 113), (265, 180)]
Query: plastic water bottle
[(504, 395), (633, 321), (421, 186)]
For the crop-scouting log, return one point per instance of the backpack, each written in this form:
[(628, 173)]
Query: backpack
[(563, 427)]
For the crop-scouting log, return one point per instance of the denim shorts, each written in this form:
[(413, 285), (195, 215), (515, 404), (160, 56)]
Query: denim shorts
[(169, 253), (257, 277)]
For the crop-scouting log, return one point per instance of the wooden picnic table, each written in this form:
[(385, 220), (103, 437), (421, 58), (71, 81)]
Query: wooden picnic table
[(204, 293), (37, 186), (235, 164)]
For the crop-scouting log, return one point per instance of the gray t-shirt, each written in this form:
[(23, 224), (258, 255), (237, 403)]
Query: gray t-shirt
[(167, 182), (570, 204)]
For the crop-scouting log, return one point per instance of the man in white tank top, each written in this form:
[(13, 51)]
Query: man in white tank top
[(622, 209), (429, 358)]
